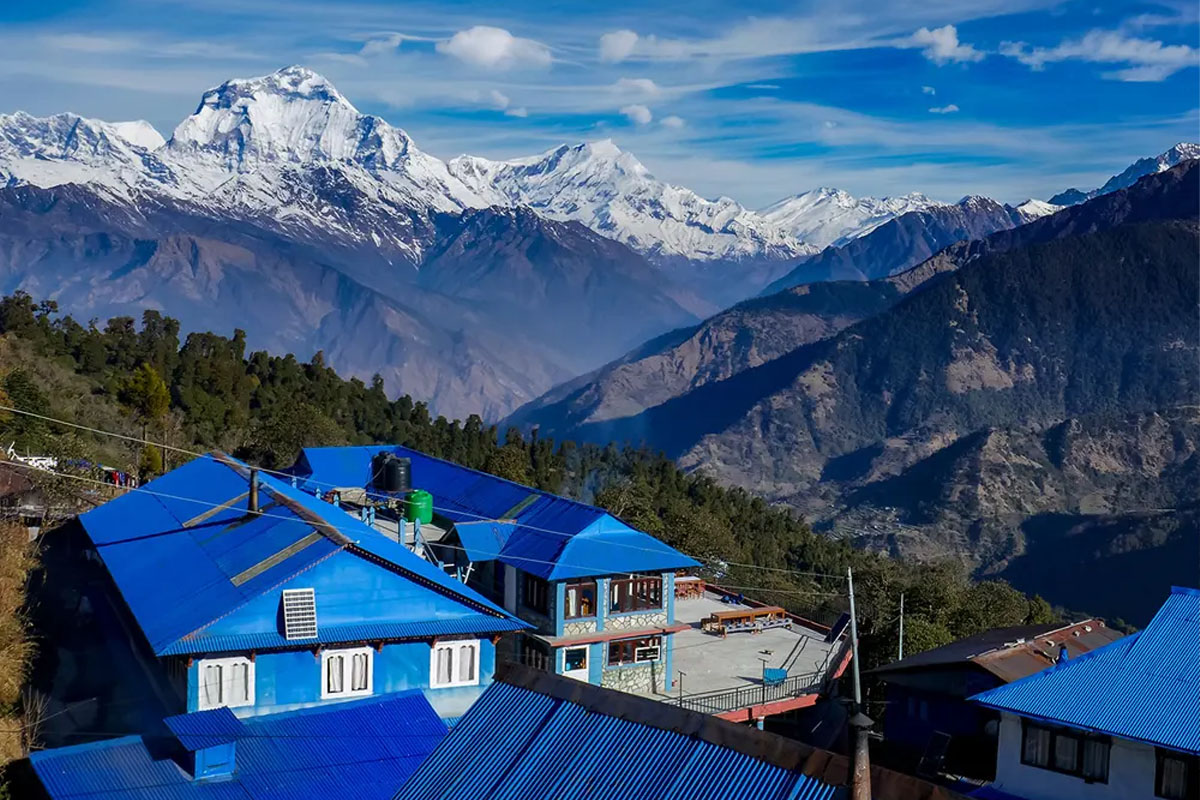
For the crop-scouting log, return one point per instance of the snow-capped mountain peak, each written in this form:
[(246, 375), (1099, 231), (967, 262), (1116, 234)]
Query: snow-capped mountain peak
[(826, 216), (293, 115), (139, 132), (613, 193)]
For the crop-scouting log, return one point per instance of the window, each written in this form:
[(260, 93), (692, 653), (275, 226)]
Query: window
[(1177, 776), (635, 594), (536, 595), (634, 651), (454, 663), (226, 682), (580, 600), (347, 673), (575, 659), (1068, 751)]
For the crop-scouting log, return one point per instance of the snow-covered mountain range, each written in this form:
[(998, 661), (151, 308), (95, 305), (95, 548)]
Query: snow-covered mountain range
[(271, 149)]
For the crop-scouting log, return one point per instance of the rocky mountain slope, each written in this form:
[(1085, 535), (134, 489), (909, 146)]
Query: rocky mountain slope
[(756, 331), (913, 428), (1181, 152)]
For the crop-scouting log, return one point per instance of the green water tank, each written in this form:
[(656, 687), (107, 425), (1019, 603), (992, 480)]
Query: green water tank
[(419, 507)]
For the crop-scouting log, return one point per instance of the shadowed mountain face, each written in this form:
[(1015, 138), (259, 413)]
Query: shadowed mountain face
[(1031, 389), (504, 305), (754, 332)]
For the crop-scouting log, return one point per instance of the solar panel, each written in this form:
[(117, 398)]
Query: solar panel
[(299, 614)]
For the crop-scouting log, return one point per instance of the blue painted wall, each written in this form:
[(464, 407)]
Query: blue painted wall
[(292, 679)]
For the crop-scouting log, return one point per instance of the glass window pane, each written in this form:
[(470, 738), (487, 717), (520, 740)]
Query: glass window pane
[(1173, 778), (466, 663), (1037, 746), (333, 677), (444, 672), (212, 685), (1066, 752), (358, 678), (239, 683), (1095, 759)]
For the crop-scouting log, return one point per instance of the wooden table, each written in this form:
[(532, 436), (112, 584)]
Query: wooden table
[(688, 586), (754, 620)]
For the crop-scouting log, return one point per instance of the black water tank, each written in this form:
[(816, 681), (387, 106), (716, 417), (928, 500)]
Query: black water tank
[(397, 474)]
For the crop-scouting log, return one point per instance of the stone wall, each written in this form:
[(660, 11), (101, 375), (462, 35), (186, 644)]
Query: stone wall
[(579, 627), (636, 679), (625, 622)]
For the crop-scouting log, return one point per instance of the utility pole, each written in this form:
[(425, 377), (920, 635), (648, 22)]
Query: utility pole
[(901, 654), (860, 785)]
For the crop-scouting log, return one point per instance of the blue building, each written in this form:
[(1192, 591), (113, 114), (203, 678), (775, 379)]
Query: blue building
[(242, 592), (599, 594), (364, 749), (1122, 721)]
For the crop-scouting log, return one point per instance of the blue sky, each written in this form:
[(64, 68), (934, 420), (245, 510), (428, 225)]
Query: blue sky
[(755, 100)]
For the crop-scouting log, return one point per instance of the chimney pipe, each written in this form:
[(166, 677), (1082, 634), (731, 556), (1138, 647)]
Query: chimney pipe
[(253, 490)]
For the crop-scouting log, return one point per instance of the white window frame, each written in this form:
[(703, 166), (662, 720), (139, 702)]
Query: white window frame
[(347, 655), (455, 646), (224, 664)]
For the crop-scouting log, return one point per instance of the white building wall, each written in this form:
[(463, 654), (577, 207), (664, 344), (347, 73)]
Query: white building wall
[(1131, 768)]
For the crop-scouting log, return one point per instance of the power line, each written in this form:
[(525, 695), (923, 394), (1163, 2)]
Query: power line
[(478, 517)]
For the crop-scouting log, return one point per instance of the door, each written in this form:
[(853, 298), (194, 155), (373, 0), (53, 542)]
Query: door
[(575, 663)]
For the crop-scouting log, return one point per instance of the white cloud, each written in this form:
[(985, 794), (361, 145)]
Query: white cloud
[(643, 86), (941, 45), (383, 43), (928, 90), (521, 112), (617, 45), (637, 113), (495, 48), (672, 122), (948, 109), (765, 86), (1145, 59)]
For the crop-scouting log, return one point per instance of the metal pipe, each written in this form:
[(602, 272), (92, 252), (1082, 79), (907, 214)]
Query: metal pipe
[(253, 490)]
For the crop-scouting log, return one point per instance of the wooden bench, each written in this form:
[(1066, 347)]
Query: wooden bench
[(755, 620)]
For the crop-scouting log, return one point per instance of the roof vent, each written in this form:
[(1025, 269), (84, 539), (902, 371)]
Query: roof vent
[(1087, 628), (299, 614), (1049, 642)]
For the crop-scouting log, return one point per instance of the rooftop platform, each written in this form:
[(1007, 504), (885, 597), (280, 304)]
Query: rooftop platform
[(724, 674)]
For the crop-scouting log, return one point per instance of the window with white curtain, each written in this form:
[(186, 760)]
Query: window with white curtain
[(346, 673), (225, 682), (454, 663)]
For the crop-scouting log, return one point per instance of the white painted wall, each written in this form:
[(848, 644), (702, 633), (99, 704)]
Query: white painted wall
[(1130, 771)]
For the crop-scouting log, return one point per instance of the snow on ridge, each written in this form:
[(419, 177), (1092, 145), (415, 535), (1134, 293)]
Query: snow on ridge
[(826, 216)]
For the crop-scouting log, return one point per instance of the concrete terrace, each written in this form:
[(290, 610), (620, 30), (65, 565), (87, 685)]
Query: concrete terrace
[(724, 674)]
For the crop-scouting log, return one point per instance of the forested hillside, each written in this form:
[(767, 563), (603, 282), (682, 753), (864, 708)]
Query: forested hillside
[(140, 381)]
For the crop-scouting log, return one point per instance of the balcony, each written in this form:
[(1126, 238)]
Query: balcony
[(724, 674)]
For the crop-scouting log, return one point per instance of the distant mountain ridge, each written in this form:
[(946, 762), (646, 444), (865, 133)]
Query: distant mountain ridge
[(1181, 152), (756, 331)]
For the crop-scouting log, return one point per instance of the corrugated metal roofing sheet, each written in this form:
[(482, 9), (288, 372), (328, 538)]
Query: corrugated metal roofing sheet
[(546, 535), (1144, 687), (516, 743), (205, 728), (364, 749), (180, 563)]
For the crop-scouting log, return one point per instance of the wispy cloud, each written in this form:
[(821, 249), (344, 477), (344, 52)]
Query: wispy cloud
[(928, 90), (672, 121), (947, 109), (1145, 59)]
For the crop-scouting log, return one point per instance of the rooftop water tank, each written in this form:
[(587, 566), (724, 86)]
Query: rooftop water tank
[(419, 507), (391, 474)]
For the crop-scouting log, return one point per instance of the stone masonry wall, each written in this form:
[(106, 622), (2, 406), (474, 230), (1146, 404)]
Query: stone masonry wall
[(633, 679)]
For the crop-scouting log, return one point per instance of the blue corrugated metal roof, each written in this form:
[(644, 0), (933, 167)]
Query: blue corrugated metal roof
[(549, 536), (205, 728), (180, 564), (1144, 687), (366, 748), (516, 743)]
